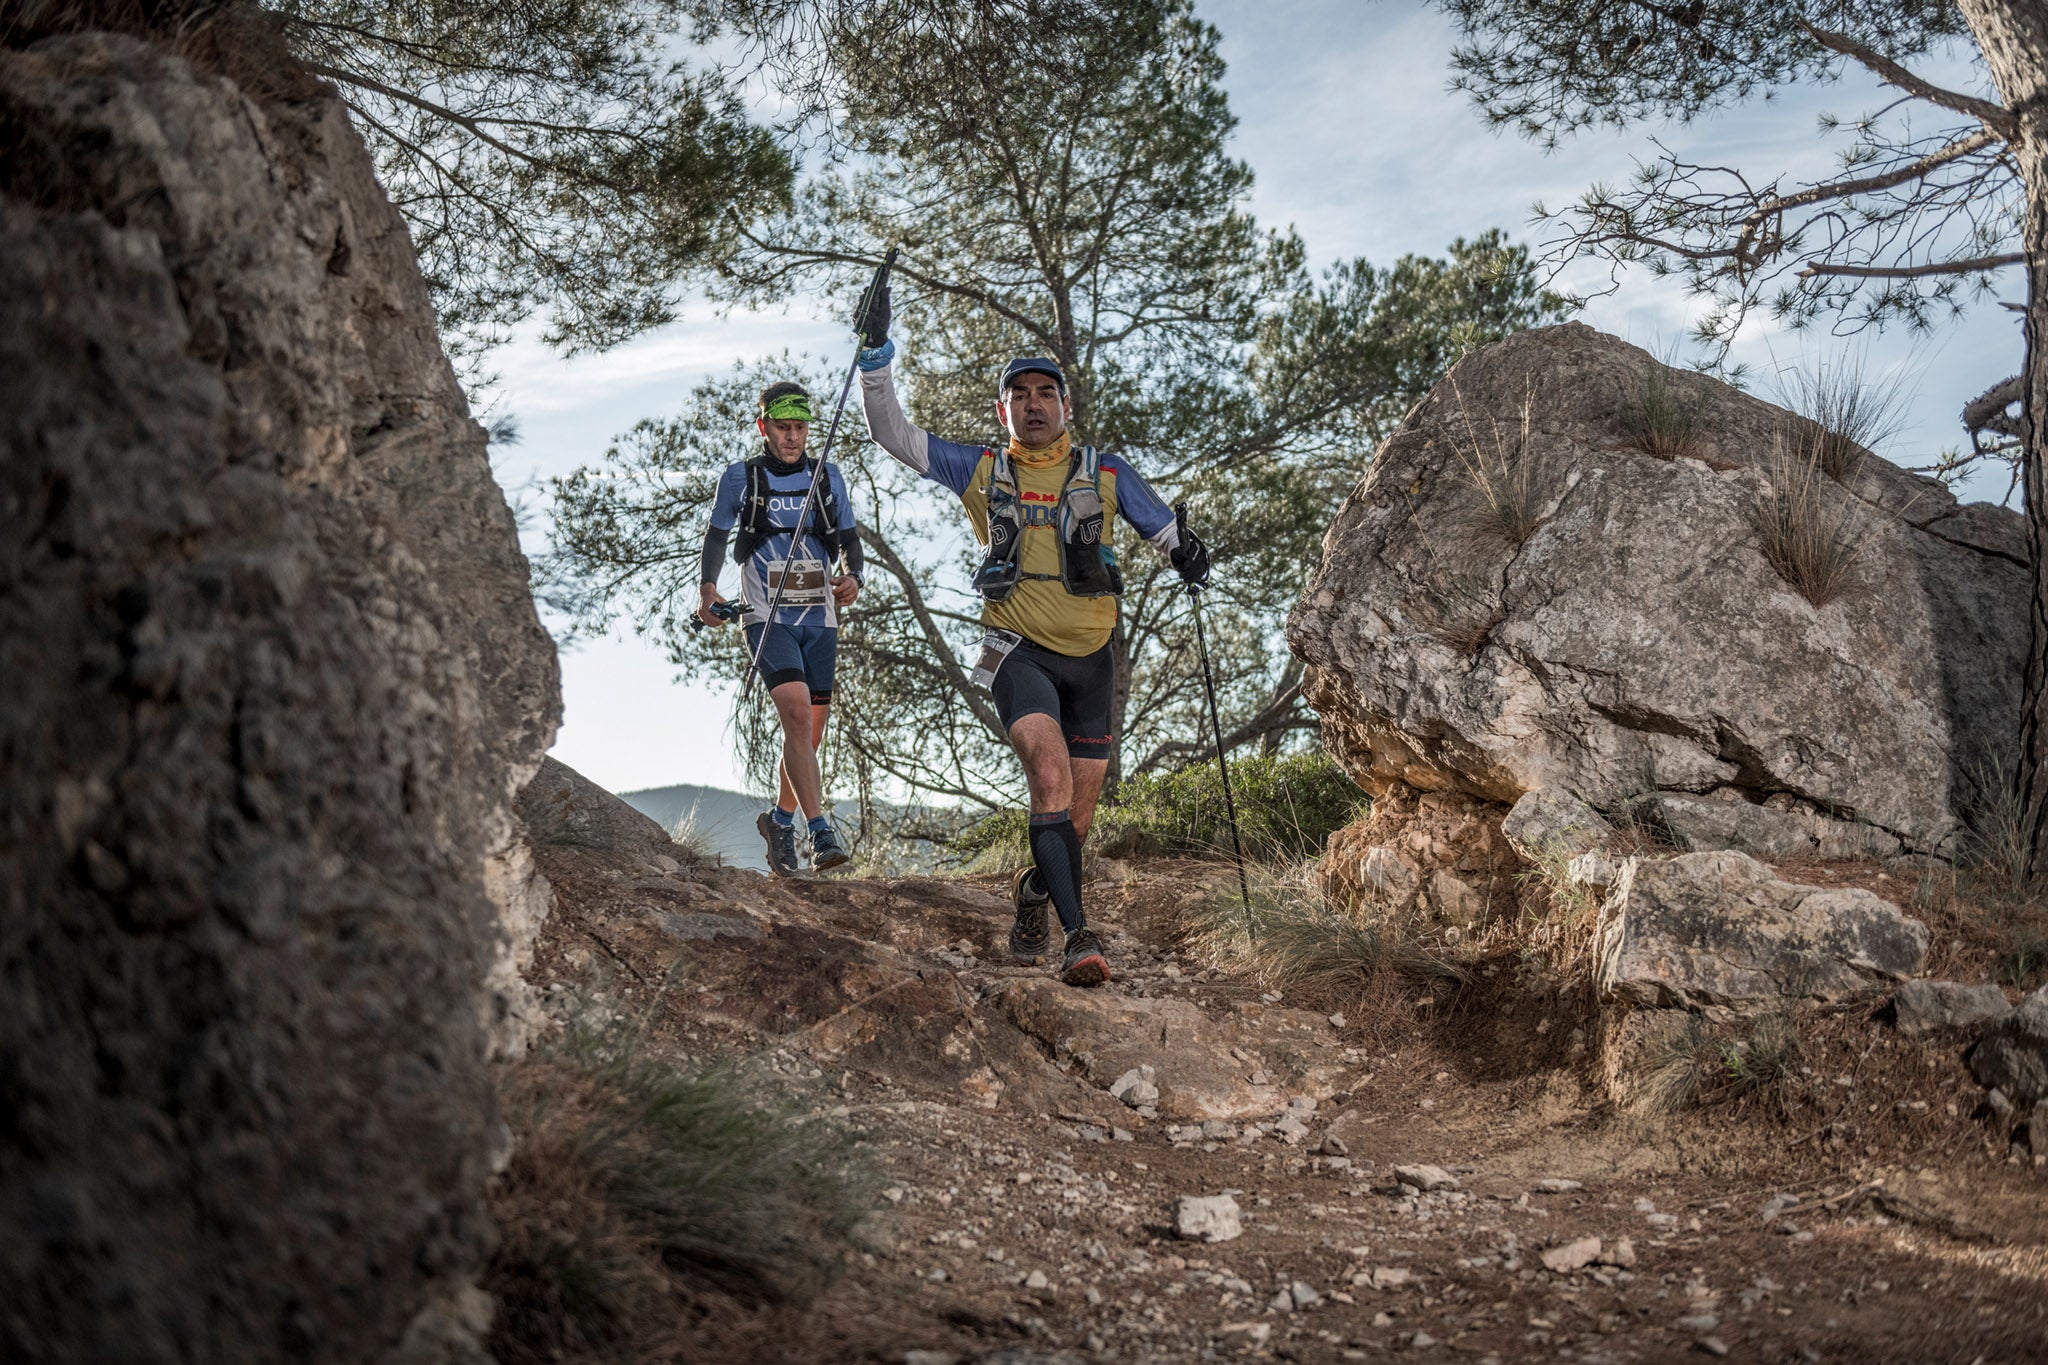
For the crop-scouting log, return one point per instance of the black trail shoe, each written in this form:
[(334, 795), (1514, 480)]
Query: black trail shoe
[(1030, 934), (826, 850), (781, 845), (1085, 964)]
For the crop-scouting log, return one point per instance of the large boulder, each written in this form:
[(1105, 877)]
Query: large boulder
[(1720, 931), (1638, 640), (273, 675)]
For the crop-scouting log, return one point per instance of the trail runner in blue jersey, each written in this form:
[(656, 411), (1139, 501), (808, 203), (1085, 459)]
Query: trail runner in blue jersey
[(762, 499)]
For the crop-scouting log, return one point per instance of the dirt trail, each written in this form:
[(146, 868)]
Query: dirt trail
[(1022, 1210)]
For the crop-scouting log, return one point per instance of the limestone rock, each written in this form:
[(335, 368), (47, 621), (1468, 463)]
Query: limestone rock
[(1923, 1008), (2013, 1054), (1639, 639), (1554, 824), (1207, 1218), (1188, 1052), (1572, 1255), (1718, 929), (1702, 825), (1426, 1178), (273, 677)]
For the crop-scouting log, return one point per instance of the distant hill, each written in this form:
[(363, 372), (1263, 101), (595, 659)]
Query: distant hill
[(724, 820)]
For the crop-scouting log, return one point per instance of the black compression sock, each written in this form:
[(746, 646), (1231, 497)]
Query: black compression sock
[(1057, 851)]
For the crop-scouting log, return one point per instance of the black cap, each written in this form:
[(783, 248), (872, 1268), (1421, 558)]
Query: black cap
[(1030, 364)]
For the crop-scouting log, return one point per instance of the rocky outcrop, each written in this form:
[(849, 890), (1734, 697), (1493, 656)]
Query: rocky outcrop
[(1923, 1009), (1624, 633), (273, 677), (1718, 930), (2013, 1055)]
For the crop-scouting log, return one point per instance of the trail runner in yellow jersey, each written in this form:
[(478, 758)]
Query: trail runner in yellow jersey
[(1044, 508)]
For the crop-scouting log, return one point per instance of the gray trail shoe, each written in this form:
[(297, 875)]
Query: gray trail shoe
[(826, 850), (1029, 934), (1085, 965), (781, 845)]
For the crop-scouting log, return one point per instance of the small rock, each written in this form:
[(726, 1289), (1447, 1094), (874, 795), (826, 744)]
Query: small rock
[(1557, 1185), (1924, 1008), (1666, 1221), (1592, 868), (1260, 1078), (1426, 1178), (1254, 1332), (1421, 1341), (1696, 1322), (1775, 1205), (1122, 1135), (1036, 1280), (1135, 1088), (930, 1358), (1713, 1346), (1334, 1145), (1388, 1277), (1336, 1021), (1304, 1294), (1216, 1130), (1621, 1255), (2000, 1102), (1302, 1104), (1289, 1129), (1282, 1302), (1573, 1255), (1383, 1319), (1207, 1218), (1645, 1206)]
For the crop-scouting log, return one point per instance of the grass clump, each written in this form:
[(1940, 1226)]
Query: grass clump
[(1696, 1064), (1846, 412), (1661, 419), (1296, 937), (639, 1194), (1501, 470), (1810, 532), (1287, 807)]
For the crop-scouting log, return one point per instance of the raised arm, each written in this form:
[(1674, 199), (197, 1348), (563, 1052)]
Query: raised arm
[(941, 461)]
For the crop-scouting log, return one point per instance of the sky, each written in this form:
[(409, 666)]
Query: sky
[(1347, 121)]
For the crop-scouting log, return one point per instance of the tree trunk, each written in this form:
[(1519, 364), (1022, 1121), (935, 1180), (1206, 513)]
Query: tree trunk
[(2013, 36)]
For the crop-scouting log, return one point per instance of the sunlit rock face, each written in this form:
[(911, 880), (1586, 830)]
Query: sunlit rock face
[(1617, 631), (271, 677)]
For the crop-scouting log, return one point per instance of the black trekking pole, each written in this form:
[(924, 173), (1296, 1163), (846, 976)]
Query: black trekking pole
[(1180, 523), (803, 515)]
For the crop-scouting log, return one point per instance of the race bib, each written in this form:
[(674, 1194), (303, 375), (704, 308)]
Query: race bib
[(995, 647), (801, 582)]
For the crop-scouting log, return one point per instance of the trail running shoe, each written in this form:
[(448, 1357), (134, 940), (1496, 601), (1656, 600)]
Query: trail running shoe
[(1085, 965), (781, 845), (826, 850), (1030, 934)]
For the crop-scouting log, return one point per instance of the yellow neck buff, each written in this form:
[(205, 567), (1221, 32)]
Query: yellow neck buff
[(1041, 456)]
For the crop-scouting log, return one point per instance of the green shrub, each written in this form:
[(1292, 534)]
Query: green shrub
[(1287, 807)]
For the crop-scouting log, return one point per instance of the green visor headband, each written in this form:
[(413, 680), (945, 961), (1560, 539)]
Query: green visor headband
[(790, 407)]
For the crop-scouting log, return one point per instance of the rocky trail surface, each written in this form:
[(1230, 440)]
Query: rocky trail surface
[(1434, 1177)]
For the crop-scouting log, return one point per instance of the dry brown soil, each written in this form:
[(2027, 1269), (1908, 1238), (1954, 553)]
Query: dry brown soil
[(1010, 1217)]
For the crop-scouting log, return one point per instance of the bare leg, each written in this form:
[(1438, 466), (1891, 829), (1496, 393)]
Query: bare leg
[(786, 797), (1087, 775), (799, 758)]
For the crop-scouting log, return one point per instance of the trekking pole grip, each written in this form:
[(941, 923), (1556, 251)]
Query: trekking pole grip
[(1180, 531)]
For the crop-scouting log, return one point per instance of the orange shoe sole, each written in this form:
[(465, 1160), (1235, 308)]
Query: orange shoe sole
[(1091, 970)]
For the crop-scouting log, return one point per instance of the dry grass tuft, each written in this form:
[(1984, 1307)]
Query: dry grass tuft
[(1811, 532), (1500, 469), (1697, 1064), (1844, 412), (639, 1198), (1661, 420), (1299, 939)]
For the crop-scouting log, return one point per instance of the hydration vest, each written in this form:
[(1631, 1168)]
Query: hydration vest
[(754, 526), (1087, 566)]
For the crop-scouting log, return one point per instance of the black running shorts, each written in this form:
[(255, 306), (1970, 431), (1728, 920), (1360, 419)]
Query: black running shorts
[(1074, 692)]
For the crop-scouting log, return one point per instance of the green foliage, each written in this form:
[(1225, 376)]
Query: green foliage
[(1924, 203), (634, 1185), (1848, 411), (1811, 531), (1693, 1064), (549, 155), (1287, 807), (1101, 222)]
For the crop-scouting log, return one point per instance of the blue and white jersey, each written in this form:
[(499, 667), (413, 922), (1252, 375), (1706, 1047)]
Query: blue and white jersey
[(807, 591)]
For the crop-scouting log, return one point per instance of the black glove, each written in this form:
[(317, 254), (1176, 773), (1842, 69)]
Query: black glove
[(1191, 558), (872, 322)]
